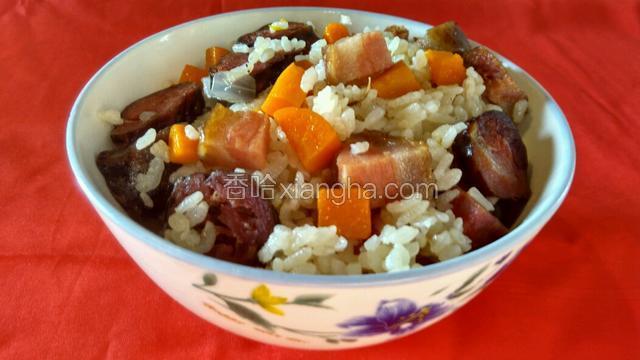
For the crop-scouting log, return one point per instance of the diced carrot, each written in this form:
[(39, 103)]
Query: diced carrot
[(182, 149), (396, 81), (192, 73), (312, 138), (446, 67), (286, 91), (349, 210), (213, 55), (212, 149), (334, 32)]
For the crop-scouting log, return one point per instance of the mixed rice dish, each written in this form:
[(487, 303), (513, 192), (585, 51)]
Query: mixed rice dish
[(336, 153)]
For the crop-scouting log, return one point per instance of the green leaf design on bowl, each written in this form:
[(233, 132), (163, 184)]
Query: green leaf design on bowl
[(315, 300), (466, 287), (262, 297), (246, 313)]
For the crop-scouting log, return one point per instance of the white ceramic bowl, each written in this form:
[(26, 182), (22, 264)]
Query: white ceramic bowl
[(370, 308)]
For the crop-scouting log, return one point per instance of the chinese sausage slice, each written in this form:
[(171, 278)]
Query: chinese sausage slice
[(177, 103), (493, 157), (243, 220)]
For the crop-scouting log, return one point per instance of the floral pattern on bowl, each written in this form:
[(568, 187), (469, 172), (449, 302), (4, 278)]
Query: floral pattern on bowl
[(262, 298), (393, 317)]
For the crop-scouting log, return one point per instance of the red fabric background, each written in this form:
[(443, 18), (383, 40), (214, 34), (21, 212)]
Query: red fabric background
[(69, 289)]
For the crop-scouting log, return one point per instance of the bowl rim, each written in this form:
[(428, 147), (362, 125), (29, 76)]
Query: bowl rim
[(539, 215)]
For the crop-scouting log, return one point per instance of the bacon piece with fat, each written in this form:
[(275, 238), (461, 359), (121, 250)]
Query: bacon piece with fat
[(235, 139), (355, 58), (392, 166)]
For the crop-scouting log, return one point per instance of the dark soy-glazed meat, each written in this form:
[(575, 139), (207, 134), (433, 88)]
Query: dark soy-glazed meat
[(478, 223), (177, 103), (300, 31), (265, 73), (447, 36), (229, 61), (398, 30), (508, 210), (501, 89), (186, 186), (244, 220), (250, 219), (120, 167), (493, 157)]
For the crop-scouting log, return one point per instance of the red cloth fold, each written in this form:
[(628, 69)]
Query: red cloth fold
[(68, 289)]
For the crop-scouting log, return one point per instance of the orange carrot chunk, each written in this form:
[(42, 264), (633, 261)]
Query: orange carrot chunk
[(213, 55), (348, 210), (192, 73), (312, 138), (182, 149), (396, 81), (286, 91), (334, 32), (446, 67)]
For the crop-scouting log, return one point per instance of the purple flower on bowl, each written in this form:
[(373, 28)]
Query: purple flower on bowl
[(392, 316)]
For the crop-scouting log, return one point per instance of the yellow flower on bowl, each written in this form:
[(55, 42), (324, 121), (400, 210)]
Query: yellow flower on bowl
[(262, 296)]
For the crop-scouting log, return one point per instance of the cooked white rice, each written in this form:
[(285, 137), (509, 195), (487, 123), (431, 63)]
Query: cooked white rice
[(186, 170), (111, 117), (181, 233), (412, 228), (146, 182), (189, 213), (345, 19), (147, 139), (189, 202), (300, 247), (265, 48), (520, 110), (160, 149), (360, 147), (146, 199), (480, 199), (191, 132)]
